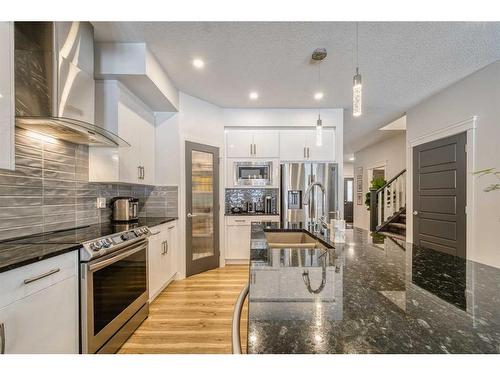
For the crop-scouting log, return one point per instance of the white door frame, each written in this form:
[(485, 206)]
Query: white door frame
[(469, 126)]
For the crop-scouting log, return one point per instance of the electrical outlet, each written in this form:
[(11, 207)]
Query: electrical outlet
[(101, 202)]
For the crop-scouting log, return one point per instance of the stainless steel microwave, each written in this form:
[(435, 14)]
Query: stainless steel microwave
[(253, 173)]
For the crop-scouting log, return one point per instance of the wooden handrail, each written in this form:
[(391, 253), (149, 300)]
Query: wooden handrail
[(390, 181)]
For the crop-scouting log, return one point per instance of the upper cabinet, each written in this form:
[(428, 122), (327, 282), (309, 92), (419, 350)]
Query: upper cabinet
[(307, 145), (7, 95), (252, 143), (121, 112)]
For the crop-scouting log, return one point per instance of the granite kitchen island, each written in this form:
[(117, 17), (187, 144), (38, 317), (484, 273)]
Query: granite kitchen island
[(369, 295)]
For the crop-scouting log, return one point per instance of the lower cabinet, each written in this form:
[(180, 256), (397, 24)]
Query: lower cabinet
[(238, 230), (163, 257), (39, 307)]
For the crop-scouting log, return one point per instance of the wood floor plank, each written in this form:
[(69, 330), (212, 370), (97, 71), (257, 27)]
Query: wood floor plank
[(193, 316)]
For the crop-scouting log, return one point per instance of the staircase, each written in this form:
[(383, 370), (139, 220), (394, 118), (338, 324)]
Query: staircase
[(388, 208)]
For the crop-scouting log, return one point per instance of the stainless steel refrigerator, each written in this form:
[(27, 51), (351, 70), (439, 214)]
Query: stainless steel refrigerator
[(295, 179)]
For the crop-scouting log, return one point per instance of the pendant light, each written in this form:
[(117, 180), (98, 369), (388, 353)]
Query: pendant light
[(356, 84), (319, 55)]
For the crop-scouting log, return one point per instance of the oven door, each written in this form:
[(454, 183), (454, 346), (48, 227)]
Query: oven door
[(253, 173), (114, 288)]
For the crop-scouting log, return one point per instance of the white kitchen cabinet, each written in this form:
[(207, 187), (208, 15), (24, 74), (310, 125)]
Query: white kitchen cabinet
[(293, 145), (7, 110), (238, 242), (121, 112), (40, 315), (238, 233), (255, 143), (303, 145), (324, 151), (162, 257)]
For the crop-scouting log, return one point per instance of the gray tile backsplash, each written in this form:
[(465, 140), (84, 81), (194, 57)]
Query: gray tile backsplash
[(49, 190)]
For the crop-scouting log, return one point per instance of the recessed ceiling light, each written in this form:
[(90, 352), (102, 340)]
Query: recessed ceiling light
[(318, 95), (198, 63), (351, 158), (254, 95)]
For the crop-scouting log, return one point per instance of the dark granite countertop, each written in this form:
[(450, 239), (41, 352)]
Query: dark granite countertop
[(369, 295), (22, 251)]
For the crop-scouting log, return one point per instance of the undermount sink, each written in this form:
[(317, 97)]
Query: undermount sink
[(285, 240)]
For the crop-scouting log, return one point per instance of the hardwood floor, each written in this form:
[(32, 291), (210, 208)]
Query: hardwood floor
[(193, 316)]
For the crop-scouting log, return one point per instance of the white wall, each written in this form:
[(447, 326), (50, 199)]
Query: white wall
[(167, 148), (392, 154), (200, 122), (475, 95), (348, 169)]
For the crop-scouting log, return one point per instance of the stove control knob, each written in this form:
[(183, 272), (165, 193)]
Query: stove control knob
[(106, 243), (124, 236)]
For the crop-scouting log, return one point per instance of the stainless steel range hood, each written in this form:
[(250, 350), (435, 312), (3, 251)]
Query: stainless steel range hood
[(54, 82)]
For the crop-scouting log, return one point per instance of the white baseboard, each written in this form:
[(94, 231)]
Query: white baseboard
[(237, 261)]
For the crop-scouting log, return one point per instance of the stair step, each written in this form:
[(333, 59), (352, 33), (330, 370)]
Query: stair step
[(397, 225), (394, 235)]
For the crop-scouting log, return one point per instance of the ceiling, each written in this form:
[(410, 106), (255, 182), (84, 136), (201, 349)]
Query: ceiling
[(401, 63)]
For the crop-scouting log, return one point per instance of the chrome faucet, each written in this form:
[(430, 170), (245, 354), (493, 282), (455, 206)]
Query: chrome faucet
[(320, 224)]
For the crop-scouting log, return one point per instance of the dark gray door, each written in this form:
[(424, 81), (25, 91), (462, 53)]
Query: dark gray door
[(439, 195), (202, 208), (348, 199)]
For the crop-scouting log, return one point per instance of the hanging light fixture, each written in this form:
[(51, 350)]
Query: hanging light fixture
[(356, 85), (319, 55)]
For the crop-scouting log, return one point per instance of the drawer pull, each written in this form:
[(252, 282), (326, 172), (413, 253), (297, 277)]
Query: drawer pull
[(43, 275), (155, 233), (240, 221), (172, 227)]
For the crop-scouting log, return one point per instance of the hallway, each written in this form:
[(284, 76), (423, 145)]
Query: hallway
[(193, 316)]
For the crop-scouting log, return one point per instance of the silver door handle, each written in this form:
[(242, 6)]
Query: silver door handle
[(254, 149), (251, 149), (2, 337), (304, 152), (166, 247), (190, 215), (235, 327), (307, 152), (143, 172), (43, 275), (139, 172), (415, 213)]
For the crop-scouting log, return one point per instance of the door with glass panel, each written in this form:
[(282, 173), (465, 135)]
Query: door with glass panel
[(349, 199), (202, 208)]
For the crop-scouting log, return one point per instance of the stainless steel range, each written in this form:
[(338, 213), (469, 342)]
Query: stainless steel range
[(114, 289)]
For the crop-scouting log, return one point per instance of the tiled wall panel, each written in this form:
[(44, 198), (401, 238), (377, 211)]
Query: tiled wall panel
[(49, 190)]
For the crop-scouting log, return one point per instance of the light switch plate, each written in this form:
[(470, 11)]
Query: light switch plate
[(101, 202)]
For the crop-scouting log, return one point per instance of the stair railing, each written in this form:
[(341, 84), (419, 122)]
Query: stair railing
[(387, 200)]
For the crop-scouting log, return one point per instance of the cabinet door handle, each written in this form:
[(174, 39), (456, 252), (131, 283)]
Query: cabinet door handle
[(143, 172), (166, 247), (308, 152), (2, 337), (139, 172), (43, 275), (172, 227), (304, 152), (254, 149)]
